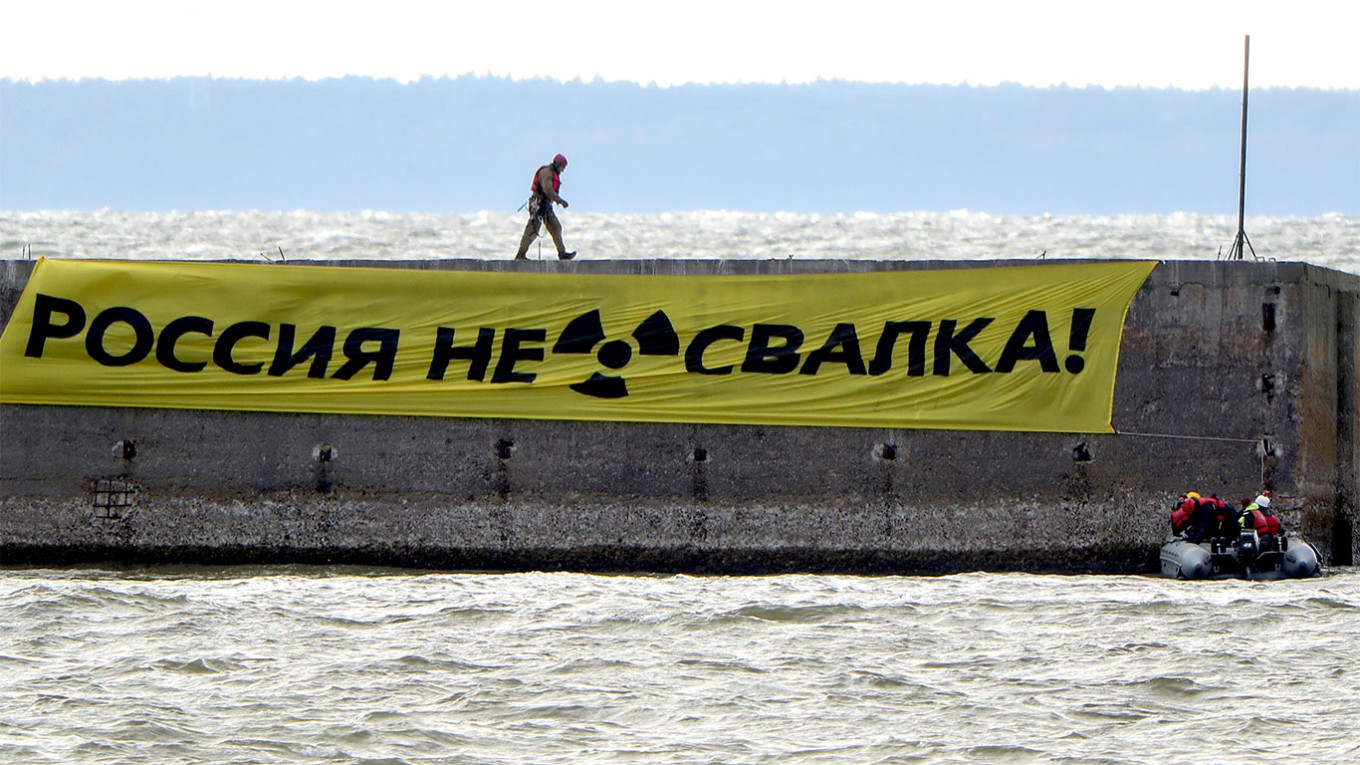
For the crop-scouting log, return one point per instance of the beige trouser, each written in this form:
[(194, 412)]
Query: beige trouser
[(531, 232)]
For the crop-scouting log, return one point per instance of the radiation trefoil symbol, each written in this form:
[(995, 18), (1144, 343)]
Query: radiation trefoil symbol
[(654, 336)]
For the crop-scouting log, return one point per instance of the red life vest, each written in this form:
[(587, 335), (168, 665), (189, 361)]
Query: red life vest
[(1217, 510), (1180, 517), (1264, 524), (556, 181)]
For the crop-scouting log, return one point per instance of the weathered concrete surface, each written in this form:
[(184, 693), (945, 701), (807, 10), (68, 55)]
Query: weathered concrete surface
[(1232, 376)]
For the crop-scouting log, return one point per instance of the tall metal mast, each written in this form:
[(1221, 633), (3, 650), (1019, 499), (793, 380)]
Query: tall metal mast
[(1237, 252)]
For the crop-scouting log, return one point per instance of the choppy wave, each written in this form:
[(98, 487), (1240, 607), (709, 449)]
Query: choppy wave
[(330, 665), (1332, 240)]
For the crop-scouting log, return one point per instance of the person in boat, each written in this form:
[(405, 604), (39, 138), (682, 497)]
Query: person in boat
[(1220, 519), (547, 182), (1185, 514), (1197, 518), (1258, 515)]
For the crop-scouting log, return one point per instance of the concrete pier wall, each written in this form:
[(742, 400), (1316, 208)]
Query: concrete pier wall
[(1233, 376)]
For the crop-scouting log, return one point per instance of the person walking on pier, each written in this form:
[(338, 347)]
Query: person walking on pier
[(547, 182)]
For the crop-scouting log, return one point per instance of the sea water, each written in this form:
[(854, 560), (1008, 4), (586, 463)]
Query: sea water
[(344, 665), (1332, 241)]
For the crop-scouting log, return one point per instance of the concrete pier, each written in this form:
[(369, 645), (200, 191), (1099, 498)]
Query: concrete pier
[(1233, 377)]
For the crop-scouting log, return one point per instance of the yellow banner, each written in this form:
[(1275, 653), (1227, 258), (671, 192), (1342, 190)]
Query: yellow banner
[(1029, 348)]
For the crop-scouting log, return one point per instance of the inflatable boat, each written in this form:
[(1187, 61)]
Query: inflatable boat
[(1248, 556)]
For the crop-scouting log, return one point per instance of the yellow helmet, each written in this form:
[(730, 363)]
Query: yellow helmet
[(1192, 495)]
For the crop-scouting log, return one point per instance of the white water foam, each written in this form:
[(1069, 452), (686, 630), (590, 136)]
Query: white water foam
[(1331, 241)]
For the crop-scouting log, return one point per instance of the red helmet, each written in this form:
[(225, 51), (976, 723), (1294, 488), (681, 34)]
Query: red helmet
[(560, 161)]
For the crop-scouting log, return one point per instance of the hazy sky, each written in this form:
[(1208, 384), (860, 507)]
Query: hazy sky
[(1154, 43)]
